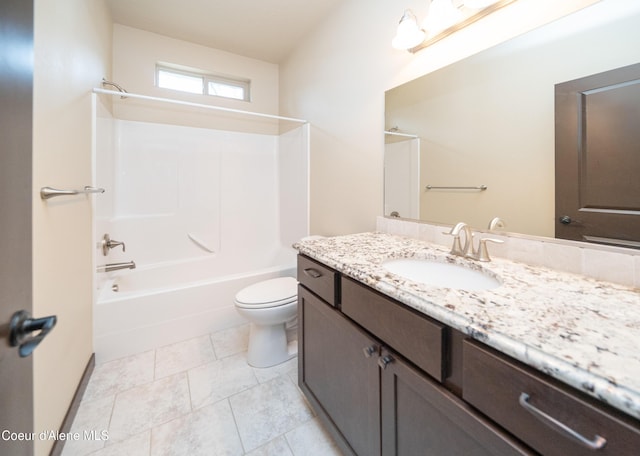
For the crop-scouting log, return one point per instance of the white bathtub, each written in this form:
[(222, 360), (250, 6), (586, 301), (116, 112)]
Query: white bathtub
[(162, 304)]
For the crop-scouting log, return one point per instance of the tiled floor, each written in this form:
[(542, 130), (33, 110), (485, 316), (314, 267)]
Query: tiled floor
[(197, 397)]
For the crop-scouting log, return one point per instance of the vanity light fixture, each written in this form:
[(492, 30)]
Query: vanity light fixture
[(409, 34), (443, 18)]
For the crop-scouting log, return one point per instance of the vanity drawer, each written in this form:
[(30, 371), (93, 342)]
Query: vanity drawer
[(512, 394), (320, 279), (411, 334)]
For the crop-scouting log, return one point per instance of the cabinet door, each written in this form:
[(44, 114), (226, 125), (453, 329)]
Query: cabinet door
[(419, 417), (338, 375)]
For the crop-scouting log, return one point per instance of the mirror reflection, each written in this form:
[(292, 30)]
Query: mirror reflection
[(488, 120)]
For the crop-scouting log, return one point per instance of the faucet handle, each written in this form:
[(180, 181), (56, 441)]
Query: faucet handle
[(483, 252), (108, 243), (456, 247), (496, 223)]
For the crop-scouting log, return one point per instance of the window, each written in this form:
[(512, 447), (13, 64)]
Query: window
[(206, 84)]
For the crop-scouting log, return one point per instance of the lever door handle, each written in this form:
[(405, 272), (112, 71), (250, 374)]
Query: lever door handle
[(22, 327)]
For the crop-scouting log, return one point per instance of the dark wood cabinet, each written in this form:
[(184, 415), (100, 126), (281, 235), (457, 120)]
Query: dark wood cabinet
[(340, 381), (387, 380), (548, 416), (420, 417), (419, 338), (372, 399)]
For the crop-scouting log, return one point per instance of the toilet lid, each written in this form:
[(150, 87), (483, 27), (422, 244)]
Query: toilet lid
[(269, 293)]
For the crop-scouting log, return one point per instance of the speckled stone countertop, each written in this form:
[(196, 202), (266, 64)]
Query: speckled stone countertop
[(583, 332)]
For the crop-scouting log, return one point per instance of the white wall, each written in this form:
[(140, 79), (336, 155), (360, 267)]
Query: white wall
[(72, 54), (135, 55), (337, 77)]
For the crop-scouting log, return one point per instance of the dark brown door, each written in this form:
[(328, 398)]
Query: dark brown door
[(598, 158), (16, 87), (419, 417), (339, 374)]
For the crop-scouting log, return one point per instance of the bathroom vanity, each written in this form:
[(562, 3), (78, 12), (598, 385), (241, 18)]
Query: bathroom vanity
[(540, 365)]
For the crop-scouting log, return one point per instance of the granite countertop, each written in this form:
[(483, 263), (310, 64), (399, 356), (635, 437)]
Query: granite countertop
[(581, 331)]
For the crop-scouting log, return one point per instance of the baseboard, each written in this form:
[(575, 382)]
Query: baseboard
[(74, 406)]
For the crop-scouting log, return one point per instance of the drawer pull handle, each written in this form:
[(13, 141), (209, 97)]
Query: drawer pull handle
[(369, 351), (596, 444), (313, 273), (384, 361)]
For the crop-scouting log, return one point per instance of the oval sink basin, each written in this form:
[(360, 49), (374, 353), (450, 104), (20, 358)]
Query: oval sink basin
[(440, 274)]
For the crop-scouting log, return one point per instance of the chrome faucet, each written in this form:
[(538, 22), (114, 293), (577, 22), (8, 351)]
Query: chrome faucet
[(116, 266), (481, 253), (108, 243)]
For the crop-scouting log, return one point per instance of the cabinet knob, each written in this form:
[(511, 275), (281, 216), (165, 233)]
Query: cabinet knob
[(384, 361), (370, 351)]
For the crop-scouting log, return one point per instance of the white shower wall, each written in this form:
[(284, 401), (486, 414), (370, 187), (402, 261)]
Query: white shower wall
[(241, 195)]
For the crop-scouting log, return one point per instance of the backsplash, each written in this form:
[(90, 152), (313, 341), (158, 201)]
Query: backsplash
[(612, 264)]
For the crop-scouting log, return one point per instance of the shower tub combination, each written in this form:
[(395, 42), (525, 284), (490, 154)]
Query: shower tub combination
[(164, 304), (204, 212)]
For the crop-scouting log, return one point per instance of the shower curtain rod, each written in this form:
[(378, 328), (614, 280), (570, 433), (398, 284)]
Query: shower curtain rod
[(395, 133), (196, 105)]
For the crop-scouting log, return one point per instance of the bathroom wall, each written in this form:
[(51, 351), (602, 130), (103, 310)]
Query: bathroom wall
[(135, 55), (72, 54), (336, 79)]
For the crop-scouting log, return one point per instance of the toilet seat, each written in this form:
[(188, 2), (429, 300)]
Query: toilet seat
[(268, 293)]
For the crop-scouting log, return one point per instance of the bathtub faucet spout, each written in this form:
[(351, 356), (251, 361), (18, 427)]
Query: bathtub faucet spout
[(116, 266)]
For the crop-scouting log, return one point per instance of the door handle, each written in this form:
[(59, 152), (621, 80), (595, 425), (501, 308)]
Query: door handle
[(567, 220), (22, 327)]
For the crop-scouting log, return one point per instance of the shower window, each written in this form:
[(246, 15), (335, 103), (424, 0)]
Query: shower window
[(205, 84)]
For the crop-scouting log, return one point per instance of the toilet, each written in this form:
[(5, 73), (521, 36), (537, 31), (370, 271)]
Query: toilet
[(268, 305)]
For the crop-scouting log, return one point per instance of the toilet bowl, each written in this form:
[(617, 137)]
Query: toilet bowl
[(268, 305)]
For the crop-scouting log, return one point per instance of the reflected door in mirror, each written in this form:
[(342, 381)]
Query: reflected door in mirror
[(598, 158)]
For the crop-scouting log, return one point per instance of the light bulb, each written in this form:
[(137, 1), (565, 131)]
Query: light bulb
[(409, 35), (442, 15)]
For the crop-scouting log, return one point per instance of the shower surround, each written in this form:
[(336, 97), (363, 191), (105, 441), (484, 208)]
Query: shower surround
[(203, 212)]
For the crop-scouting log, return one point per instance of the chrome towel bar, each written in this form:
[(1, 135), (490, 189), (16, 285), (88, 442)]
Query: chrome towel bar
[(49, 192), (433, 187)]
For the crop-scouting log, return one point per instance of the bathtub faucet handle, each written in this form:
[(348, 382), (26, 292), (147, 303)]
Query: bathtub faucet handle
[(108, 244)]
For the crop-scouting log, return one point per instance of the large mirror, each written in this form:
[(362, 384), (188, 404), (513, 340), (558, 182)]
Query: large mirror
[(485, 125)]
